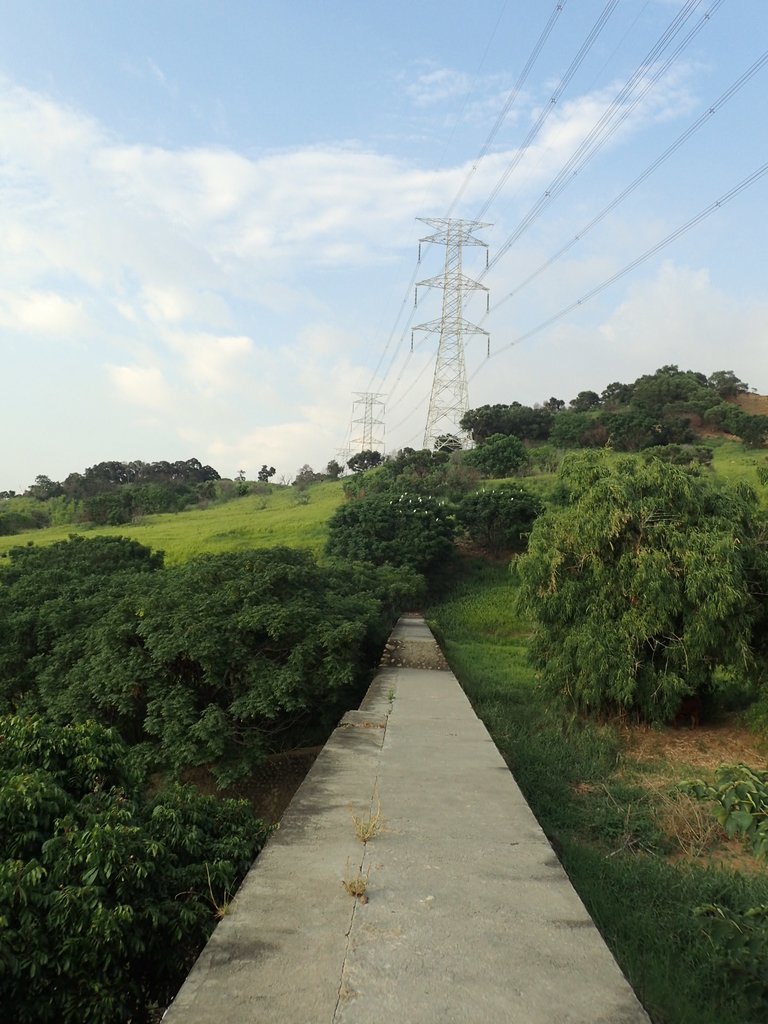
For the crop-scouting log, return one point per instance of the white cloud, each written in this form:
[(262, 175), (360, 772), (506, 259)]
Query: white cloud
[(213, 364), (438, 85), (39, 312), (141, 385)]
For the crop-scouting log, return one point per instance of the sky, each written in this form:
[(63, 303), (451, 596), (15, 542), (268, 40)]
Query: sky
[(208, 215)]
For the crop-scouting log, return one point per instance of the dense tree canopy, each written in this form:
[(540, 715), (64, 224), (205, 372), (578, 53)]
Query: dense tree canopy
[(499, 518), (407, 530), (648, 586), (499, 456), (105, 896), (212, 662), (656, 409)]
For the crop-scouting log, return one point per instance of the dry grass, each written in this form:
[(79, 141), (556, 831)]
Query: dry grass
[(688, 823), (369, 827), (658, 759), (705, 748), (356, 884)]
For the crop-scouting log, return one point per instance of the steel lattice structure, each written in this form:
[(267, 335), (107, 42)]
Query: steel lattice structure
[(449, 399), (368, 422)]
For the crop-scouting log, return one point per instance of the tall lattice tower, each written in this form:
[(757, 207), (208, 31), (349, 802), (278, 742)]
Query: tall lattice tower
[(367, 422), (450, 399)]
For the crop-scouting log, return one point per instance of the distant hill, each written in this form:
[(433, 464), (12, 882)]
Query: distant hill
[(755, 405)]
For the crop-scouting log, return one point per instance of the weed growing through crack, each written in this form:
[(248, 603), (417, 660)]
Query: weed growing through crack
[(370, 827), (356, 884)]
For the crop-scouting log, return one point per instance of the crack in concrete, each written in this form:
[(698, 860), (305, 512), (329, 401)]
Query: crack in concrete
[(343, 991)]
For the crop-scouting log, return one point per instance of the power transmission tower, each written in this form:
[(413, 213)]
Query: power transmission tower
[(368, 422), (450, 399)]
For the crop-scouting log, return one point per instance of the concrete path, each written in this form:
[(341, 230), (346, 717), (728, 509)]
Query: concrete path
[(469, 916)]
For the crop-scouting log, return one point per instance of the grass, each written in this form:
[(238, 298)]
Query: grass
[(369, 827), (250, 522), (356, 884), (732, 462), (635, 851)]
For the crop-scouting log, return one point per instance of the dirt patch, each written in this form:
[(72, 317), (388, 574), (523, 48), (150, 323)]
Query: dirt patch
[(707, 747), (755, 405), (269, 788), (413, 654), (658, 759)]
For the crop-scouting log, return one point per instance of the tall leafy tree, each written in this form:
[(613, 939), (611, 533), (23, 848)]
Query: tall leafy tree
[(106, 897), (649, 585)]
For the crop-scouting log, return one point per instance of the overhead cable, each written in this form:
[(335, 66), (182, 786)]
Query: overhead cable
[(673, 236), (711, 110)]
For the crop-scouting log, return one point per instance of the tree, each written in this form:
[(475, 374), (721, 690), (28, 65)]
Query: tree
[(265, 473), (646, 587), (500, 455), (500, 518), (334, 470), (409, 530), (727, 384), (554, 405), (364, 460), (44, 488), (212, 662), (106, 897), (616, 394), (523, 421), (585, 401)]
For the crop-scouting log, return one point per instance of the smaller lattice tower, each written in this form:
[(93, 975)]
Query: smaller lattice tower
[(367, 422), (450, 397)]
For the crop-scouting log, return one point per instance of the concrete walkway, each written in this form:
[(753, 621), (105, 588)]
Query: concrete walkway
[(469, 916)]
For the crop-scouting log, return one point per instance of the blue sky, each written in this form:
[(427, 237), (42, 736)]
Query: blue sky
[(208, 216)]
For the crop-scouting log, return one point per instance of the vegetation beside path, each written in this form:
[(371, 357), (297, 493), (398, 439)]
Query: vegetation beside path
[(642, 855)]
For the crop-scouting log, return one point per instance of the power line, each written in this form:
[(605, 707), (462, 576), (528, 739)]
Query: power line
[(576, 63), (548, 28), (679, 141), (613, 117), (673, 236), (502, 115)]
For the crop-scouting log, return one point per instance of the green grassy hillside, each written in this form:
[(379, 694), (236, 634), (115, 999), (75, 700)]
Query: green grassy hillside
[(279, 519), (256, 521)]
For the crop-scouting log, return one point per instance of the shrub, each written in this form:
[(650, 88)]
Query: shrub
[(409, 530), (499, 456), (499, 518), (105, 898), (645, 587)]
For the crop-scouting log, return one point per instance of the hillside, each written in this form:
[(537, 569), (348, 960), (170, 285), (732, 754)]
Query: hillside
[(755, 405), (256, 521)]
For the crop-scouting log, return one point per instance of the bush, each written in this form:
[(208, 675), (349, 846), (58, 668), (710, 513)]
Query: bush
[(499, 518), (501, 455), (214, 662), (647, 587), (409, 530), (105, 898)]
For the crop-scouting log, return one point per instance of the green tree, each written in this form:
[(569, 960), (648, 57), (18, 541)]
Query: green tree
[(218, 661), (647, 587), (410, 530), (44, 488), (726, 383), (585, 401), (106, 897), (500, 455), (529, 424), (500, 518), (266, 473), (364, 460)]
